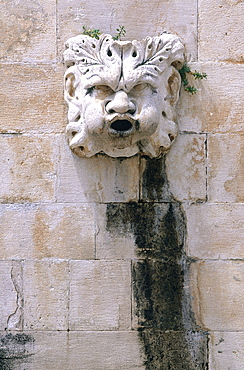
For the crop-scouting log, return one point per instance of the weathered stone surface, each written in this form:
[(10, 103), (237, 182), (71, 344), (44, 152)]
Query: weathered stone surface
[(42, 231), (27, 167), (186, 168), (50, 350), (174, 350), (34, 350), (100, 295), (105, 350), (144, 230), (16, 350), (31, 98), (215, 230), (226, 168), (217, 105), (119, 242), (154, 185), (221, 30), (108, 15), (157, 288), (96, 179), (28, 30), (226, 350), (136, 212), (15, 320), (46, 285), (217, 294), (8, 294)]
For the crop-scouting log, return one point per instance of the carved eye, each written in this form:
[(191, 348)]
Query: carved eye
[(103, 88), (139, 87)]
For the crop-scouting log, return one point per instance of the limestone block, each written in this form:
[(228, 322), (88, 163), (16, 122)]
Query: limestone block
[(186, 167), (8, 297), (58, 231), (100, 295), (29, 30), (34, 350), (217, 294), (96, 179), (226, 350), (27, 167), (221, 30), (46, 295), (215, 230), (51, 350), (217, 105), (139, 230), (105, 350), (139, 20), (226, 168), (117, 243), (31, 98)]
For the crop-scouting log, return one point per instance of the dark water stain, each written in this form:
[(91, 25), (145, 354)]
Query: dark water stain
[(165, 322), (15, 350), (155, 185), (158, 227), (158, 285)]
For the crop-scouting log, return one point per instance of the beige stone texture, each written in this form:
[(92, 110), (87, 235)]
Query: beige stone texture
[(96, 179), (119, 244), (186, 167), (27, 167), (28, 30), (44, 231), (81, 351), (226, 168), (217, 294), (8, 294), (31, 98), (46, 285), (105, 350), (218, 104), (215, 231), (38, 350), (221, 30), (226, 351), (51, 351), (174, 16), (100, 295)]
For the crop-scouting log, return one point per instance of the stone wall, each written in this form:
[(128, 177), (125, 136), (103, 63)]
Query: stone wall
[(121, 263)]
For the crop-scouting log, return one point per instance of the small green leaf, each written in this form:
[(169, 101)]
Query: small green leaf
[(120, 32), (197, 75)]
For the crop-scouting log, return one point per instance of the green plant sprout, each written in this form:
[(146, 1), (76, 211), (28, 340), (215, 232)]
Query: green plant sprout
[(97, 33), (91, 32), (120, 32), (197, 76)]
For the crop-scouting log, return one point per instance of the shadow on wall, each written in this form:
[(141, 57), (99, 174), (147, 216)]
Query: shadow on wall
[(164, 320)]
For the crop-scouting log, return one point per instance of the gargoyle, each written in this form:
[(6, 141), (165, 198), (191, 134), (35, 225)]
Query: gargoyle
[(122, 94)]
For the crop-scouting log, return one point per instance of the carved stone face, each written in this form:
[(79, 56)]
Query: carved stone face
[(121, 95)]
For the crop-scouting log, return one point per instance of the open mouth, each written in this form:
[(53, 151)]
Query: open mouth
[(121, 125)]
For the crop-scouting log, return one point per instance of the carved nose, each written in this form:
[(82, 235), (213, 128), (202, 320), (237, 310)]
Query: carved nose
[(120, 104)]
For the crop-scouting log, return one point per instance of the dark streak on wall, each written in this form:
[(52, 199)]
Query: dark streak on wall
[(165, 322), (15, 350)]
